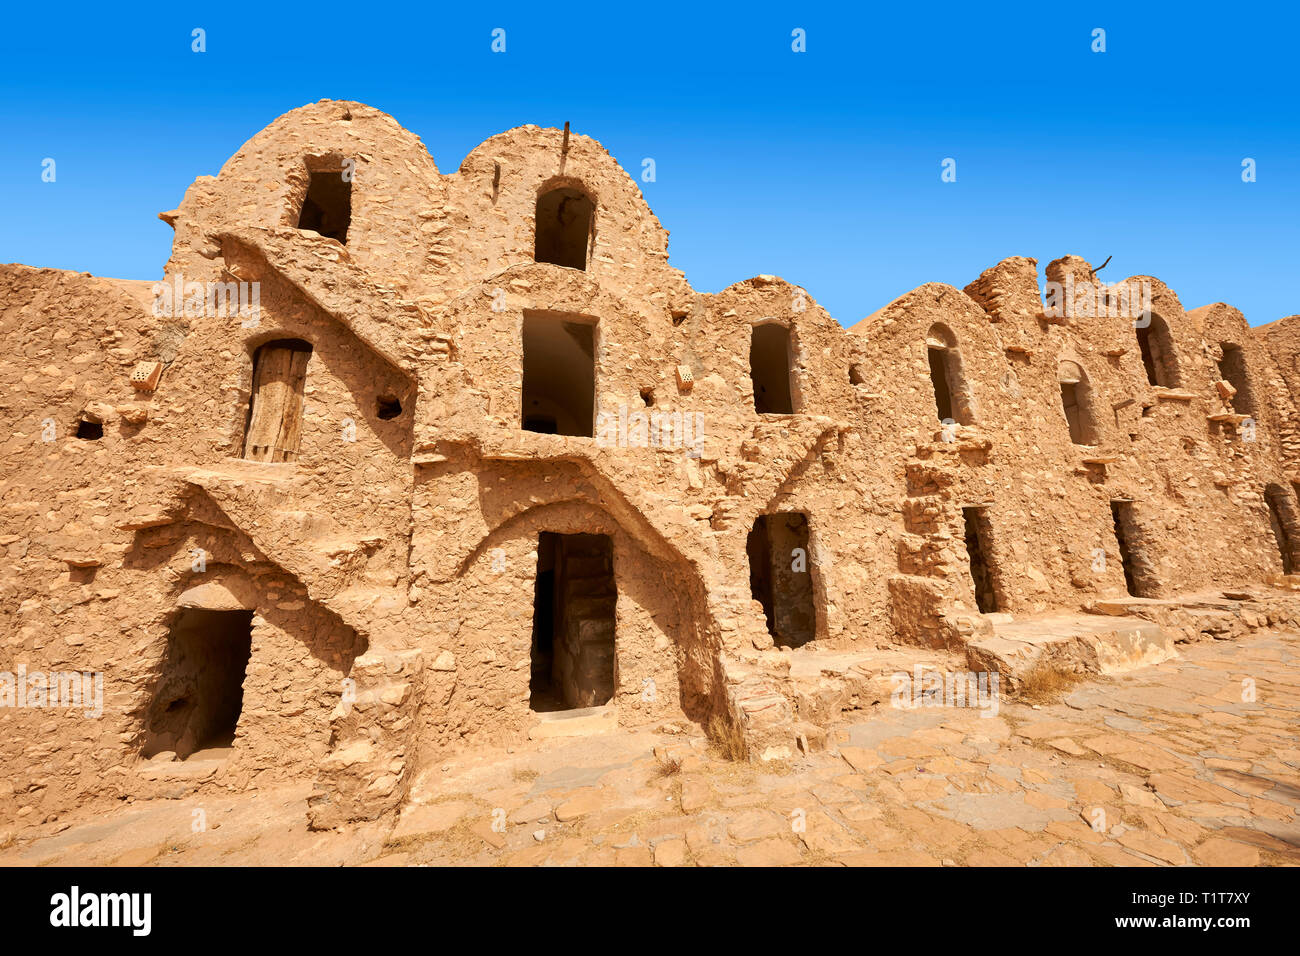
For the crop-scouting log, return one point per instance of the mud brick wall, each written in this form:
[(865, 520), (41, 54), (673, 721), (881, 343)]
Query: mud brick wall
[(389, 564)]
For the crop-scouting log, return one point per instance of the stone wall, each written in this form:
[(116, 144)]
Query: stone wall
[(390, 565)]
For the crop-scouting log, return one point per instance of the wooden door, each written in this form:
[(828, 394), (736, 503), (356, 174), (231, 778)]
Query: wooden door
[(275, 412)]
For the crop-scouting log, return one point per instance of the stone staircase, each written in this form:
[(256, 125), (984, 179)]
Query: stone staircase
[(1212, 615), (387, 324), (921, 592), (331, 564)]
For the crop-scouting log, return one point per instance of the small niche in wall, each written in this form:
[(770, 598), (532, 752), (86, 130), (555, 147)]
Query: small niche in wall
[(88, 430)]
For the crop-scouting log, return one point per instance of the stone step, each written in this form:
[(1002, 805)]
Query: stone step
[(1079, 643), (824, 685), (592, 631), (590, 608), (591, 587), (575, 723)]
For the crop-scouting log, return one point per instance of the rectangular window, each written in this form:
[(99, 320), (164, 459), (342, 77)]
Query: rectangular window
[(769, 369), (327, 207), (559, 374)]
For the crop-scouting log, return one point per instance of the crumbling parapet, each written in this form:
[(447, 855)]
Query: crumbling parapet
[(1009, 290)]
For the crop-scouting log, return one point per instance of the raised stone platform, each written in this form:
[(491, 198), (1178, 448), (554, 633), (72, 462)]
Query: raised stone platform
[(1080, 643)]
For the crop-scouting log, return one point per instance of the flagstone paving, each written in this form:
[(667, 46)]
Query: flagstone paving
[(1195, 761)]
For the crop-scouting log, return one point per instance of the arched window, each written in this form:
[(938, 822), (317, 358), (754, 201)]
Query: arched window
[(562, 228), (1076, 400), (1232, 369), (1157, 349), (952, 397), (275, 406)]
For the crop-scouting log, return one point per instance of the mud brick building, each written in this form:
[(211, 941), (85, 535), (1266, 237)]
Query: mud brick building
[(476, 460)]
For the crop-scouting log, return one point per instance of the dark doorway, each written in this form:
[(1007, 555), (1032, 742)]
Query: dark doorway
[(1232, 369), (559, 375), (978, 534), (574, 599), (198, 698), (1156, 346), (769, 369), (327, 208), (1283, 520), (1138, 578), (563, 228), (939, 379), (780, 577)]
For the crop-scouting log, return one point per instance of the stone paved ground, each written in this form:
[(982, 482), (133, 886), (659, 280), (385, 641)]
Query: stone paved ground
[(1164, 766)]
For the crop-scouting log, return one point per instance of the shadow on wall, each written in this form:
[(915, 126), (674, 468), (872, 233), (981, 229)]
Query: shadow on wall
[(200, 664)]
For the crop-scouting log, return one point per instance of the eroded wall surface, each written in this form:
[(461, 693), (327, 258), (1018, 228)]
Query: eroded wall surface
[(389, 565)]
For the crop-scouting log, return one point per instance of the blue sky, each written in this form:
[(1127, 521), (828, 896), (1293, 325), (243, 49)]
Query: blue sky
[(822, 167)]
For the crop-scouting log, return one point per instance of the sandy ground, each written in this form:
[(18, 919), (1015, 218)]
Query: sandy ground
[(1174, 764)]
